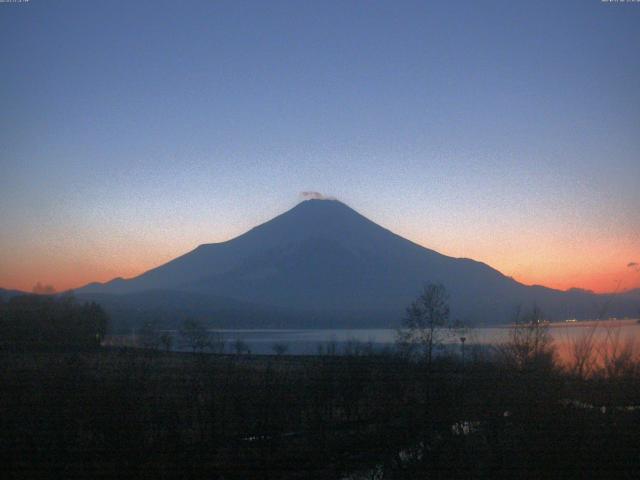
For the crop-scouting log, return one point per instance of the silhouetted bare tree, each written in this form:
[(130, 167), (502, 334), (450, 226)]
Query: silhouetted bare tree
[(280, 348), (530, 344), (195, 335), (240, 347), (148, 336), (166, 340), (427, 322)]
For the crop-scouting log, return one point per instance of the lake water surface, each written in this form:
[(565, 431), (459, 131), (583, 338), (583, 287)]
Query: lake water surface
[(308, 342)]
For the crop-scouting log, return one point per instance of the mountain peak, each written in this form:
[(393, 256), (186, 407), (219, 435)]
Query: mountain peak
[(321, 200), (318, 218), (326, 208), (322, 203)]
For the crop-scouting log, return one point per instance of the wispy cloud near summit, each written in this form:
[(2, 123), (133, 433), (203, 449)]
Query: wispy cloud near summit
[(310, 195)]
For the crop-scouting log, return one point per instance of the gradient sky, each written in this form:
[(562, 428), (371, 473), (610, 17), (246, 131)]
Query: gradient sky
[(507, 132)]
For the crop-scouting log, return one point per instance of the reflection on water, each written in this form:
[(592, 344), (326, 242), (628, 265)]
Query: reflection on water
[(602, 339)]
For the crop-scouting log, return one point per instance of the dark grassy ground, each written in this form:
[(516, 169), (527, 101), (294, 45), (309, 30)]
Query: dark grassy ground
[(128, 413)]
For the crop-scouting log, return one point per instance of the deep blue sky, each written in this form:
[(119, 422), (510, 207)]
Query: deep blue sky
[(504, 131)]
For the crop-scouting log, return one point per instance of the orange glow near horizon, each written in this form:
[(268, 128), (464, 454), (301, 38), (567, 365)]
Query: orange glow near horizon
[(80, 272), (601, 268), (559, 260), (64, 271), (69, 278), (72, 260), (604, 281)]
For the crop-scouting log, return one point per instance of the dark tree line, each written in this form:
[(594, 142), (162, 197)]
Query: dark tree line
[(504, 413), (40, 321), (121, 413)]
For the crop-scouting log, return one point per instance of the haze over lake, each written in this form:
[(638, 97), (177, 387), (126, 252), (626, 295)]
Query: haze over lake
[(314, 341)]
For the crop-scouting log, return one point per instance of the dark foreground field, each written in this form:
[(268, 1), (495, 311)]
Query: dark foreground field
[(127, 413)]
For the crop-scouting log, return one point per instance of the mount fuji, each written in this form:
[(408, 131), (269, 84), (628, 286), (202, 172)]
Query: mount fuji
[(322, 264)]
